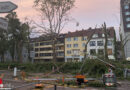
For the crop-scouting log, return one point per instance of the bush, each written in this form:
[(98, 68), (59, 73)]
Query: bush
[(93, 68), (96, 84)]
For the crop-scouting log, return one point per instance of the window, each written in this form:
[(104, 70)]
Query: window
[(68, 39), (75, 45), (100, 51), (95, 35), (103, 35), (128, 19), (75, 38), (109, 51), (76, 52), (83, 44), (60, 54), (126, 7), (36, 44), (24, 55), (92, 51), (69, 59), (68, 45), (128, 25), (32, 44), (100, 43), (46, 49), (84, 38), (36, 49), (127, 13), (69, 52), (92, 43), (45, 54), (41, 43), (36, 54), (109, 43)]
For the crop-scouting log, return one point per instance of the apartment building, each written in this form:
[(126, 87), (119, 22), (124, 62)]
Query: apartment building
[(75, 44), (43, 49), (125, 25)]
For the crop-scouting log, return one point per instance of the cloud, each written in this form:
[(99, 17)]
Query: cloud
[(87, 12)]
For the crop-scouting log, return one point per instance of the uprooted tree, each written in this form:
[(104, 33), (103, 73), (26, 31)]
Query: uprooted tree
[(54, 16)]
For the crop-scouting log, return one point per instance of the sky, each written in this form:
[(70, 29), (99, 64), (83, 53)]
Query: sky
[(89, 13)]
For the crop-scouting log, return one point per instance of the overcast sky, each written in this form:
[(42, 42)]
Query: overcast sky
[(88, 13)]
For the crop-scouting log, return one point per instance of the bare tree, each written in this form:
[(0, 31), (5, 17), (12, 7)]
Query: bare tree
[(106, 40), (54, 16), (88, 40), (29, 31), (115, 46)]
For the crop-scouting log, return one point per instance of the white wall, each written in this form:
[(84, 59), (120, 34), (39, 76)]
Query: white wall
[(101, 47)]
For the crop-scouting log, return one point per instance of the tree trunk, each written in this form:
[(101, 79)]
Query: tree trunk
[(54, 49), (106, 41), (2, 58), (105, 48), (29, 52), (30, 60), (115, 46), (19, 51), (122, 48)]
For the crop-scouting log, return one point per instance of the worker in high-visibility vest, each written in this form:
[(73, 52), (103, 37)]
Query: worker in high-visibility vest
[(23, 74), (80, 79)]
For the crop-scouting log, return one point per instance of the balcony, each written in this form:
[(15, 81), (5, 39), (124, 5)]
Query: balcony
[(60, 55), (60, 44), (59, 50), (50, 51), (45, 46), (44, 57)]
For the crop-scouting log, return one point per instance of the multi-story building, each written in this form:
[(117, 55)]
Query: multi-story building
[(125, 25), (75, 43), (43, 49)]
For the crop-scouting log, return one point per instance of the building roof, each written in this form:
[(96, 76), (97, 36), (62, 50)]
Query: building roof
[(90, 32), (46, 38)]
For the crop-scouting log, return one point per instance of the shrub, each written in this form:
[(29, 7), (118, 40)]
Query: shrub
[(96, 84)]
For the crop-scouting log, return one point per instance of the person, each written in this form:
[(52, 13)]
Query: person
[(80, 79), (23, 74)]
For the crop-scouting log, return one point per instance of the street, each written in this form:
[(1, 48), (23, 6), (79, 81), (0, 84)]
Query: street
[(124, 85), (24, 85)]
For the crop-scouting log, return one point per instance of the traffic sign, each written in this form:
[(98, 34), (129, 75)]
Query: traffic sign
[(6, 7), (3, 24)]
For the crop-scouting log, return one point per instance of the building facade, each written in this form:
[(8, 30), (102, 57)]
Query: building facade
[(43, 49), (75, 43), (125, 26)]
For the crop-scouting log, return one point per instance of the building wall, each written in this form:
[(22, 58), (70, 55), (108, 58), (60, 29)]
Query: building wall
[(127, 45), (81, 48), (38, 52), (44, 51), (97, 47), (76, 52), (125, 25)]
